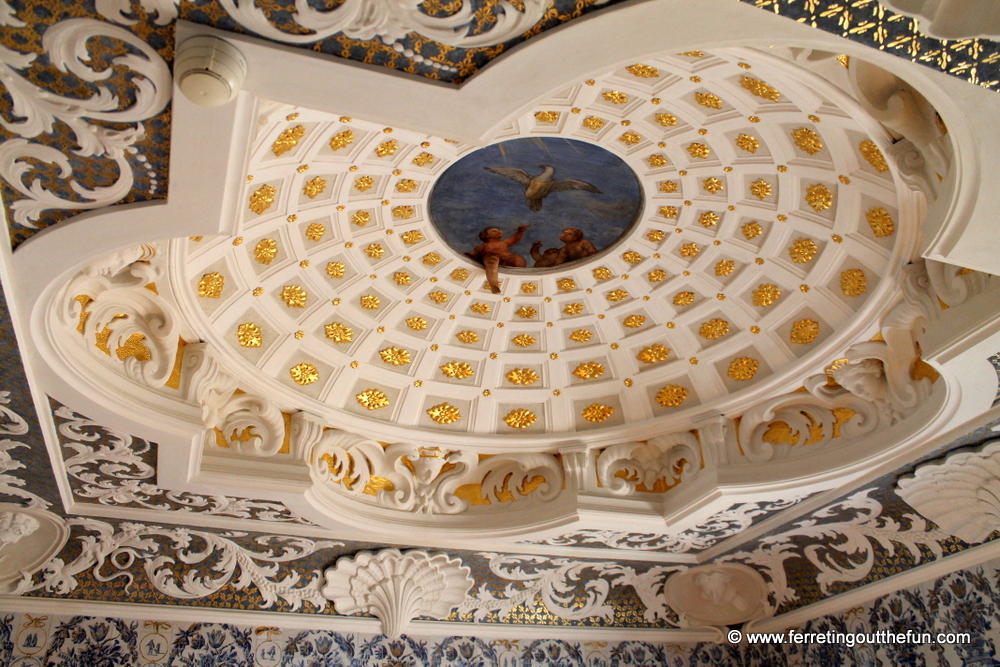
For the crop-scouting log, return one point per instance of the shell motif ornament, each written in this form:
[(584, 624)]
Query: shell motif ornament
[(397, 587)]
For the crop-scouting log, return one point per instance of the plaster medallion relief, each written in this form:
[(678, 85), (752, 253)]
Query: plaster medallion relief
[(397, 587), (961, 493), (725, 594), (29, 537)]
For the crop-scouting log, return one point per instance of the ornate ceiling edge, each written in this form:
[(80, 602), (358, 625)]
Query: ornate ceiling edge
[(36, 197)]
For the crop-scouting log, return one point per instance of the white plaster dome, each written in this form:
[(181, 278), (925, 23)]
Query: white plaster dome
[(770, 220)]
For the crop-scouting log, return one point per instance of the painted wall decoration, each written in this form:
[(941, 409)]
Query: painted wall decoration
[(519, 199)]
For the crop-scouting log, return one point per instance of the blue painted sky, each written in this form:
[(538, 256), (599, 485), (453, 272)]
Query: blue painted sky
[(467, 198)]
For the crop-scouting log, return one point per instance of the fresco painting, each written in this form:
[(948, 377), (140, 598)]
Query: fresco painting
[(535, 202)]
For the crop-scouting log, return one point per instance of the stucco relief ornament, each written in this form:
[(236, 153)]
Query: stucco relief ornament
[(725, 594), (29, 537), (38, 110), (672, 458), (961, 494), (397, 587)]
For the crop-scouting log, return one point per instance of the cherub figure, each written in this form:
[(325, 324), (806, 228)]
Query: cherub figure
[(575, 247), (494, 251)]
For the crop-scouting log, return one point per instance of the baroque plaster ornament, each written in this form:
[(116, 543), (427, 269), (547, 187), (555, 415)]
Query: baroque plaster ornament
[(14, 526), (397, 587), (666, 460), (29, 537), (725, 594), (961, 493)]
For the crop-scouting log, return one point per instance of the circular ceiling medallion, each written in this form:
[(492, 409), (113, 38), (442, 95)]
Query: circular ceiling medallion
[(536, 202)]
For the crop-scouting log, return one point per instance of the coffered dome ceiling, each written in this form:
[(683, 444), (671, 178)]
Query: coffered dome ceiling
[(769, 219)]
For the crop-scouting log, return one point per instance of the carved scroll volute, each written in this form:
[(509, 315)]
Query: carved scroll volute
[(114, 307), (668, 460)]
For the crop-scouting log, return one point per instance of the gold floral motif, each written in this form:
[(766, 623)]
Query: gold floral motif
[(467, 337), (714, 329), (406, 185), (526, 312), (656, 160), (294, 296), (402, 278), (804, 331), (597, 412), (523, 340), (632, 257), (655, 235), (643, 71), (725, 267), (708, 219), (362, 183), (699, 150), (743, 368), (690, 250), (361, 218), (760, 189), (314, 188), (668, 186), (336, 269), (634, 321), (423, 159), (766, 294), (339, 332), (529, 288), (871, 153), (520, 418), (438, 297), (616, 295), (748, 143), (444, 413), (684, 298), (522, 376), (671, 396), (265, 251), (708, 100), (287, 140), (395, 356), (546, 116), (372, 399), (669, 211), (458, 370), (819, 197), (807, 140), (315, 231), (374, 251), (573, 308), (881, 222), (751, 230), (341, 140), (566, 284), (692, 54), (593, 123), (853, 282), (630, 138), (211, 285), (666, 119), (581, 336), (386, 148), (403, 212), (303, 374), (370, 302), (459, 275), (653, 354), (802, 250), (262, 198), (480, 308), (615, 97), (713, 185), (656, 275), (760, 89), (416, 323), (411, 237), (431, 259), (249, 335)]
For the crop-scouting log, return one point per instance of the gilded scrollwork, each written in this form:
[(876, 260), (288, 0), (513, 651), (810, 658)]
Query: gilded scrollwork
[(652, 466)]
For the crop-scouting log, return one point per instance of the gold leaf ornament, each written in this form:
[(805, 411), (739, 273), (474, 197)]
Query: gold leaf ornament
[(314, 187), (444, 413), (339, 332), (304, 374), (708, 100), (853, 282), (760, 189), (372, 399), (760, 89), (522, 376), (589, 370), (262, 198), (743, 368), (671, 396), (714, 329), (211, 285), (315, 231), (643, 71), (341, 140), (804, 331), (870, 152), (881, 222), (395, 356), (765, 295), (807, 141), (802, 250), (597, 412), (523, 340), (748, 143), (520, 418), (265, 251), (653, 354), (819, 197), (458, 370), (287, 140), (249, 335)]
